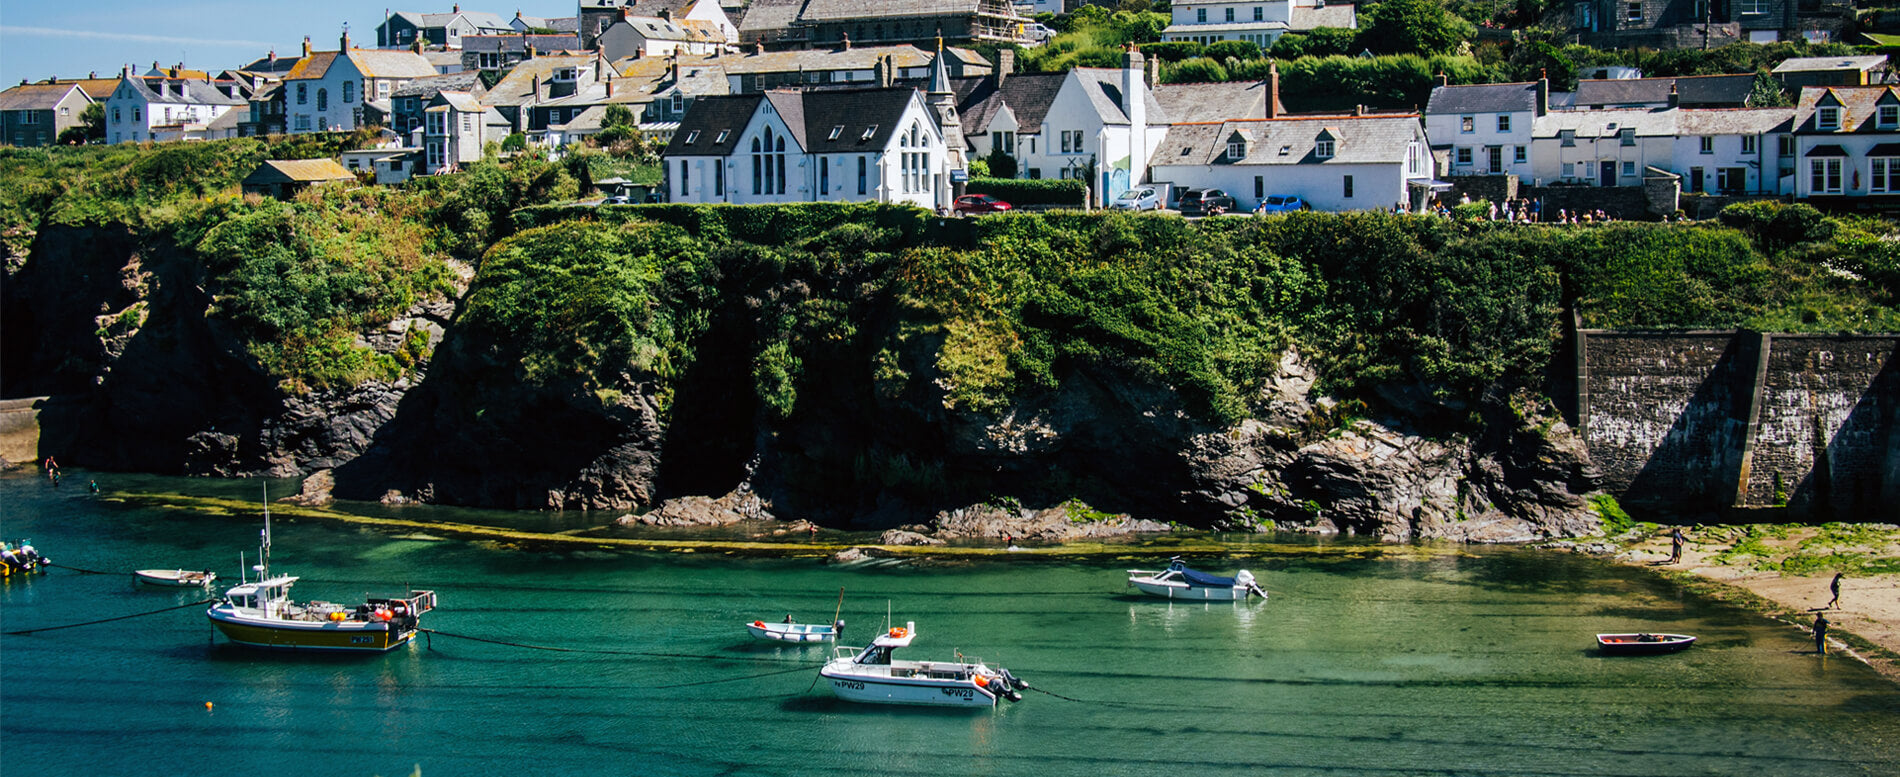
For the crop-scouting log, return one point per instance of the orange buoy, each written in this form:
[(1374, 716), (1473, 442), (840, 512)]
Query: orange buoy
[(760, 624), (207, 705), (982, 682), (382, 615), (898, 632)]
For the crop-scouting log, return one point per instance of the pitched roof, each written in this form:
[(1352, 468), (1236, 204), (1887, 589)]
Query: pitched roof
[(374, 63), (1857, 107), (1207, 102), (854, 58), (36, 97), (851, 10), (1027, 95), (1733, 121), (1798, 64), (684, 30), (1103, 86), (1725, 90), (298, 171), (832, 121), (426, 88), (1483, 98), (186, 91), (515, 44), (1591, 125), (1340, 15), (768, 16), (1381, 139), (517, 87)]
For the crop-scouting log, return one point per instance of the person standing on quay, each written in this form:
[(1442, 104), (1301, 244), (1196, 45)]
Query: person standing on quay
[(1835, 588), (1820, 634), (1675, 546)]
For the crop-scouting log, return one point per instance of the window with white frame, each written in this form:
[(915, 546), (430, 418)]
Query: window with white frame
[(1629, 168), (1236, 148), (1824, 175), (768, 163), (1071, 141), (1887, 116), (1705, 144), (1004, 142), (435, 155), (1883, 175), (1323, 148), (1748, 144), (1827, 117), (438, 123), (677, 105), (1752, 7)]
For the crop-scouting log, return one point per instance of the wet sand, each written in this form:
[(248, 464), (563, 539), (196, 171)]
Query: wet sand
[(1865, 623)]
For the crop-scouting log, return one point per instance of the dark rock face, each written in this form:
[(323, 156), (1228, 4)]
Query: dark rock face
[(119, 329)]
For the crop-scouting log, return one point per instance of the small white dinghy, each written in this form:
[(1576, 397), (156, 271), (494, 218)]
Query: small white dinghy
[(1180, 582), (870, 675), (796, 632), (176, 578)]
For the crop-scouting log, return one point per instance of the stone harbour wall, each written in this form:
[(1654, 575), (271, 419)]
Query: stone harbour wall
[(1699, 421)]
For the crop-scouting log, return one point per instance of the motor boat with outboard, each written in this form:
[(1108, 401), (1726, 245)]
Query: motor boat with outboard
[(176, 578), (1178, 581), (871, 675), (791, 631)]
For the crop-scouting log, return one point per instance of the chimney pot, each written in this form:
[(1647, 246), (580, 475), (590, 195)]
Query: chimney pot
[(1443, 80), (1274, 109)]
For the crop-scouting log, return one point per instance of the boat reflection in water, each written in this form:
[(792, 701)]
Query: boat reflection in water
[(261, 614)]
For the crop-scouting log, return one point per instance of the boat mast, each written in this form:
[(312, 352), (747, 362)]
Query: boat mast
[(263, 551)]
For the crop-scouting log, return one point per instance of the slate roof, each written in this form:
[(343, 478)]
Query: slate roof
[(684, 30), (270, 64), (426, 88), (1857, 107), (1028, 96), (1104, 89), (1800, 64), (854, 58), (196, 92), (1342, 15), (298, 171), (1729, 90), (865, 120), (1733, 121), (516, 44), (1595, 125), (1192, 103), (768, 17), (1483, 98), (481, 19), (1356, 140), (850, 10), (36, 97), (517, 87)]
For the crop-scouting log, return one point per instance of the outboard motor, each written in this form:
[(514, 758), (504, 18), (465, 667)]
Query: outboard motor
[(1245, 578)]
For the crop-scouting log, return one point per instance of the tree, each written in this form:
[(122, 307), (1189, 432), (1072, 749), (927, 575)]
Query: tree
[(617, 116), (1317, 42), (91, 127), (1231, 49), (1002, 165), (1767, 92), (1413, 27)]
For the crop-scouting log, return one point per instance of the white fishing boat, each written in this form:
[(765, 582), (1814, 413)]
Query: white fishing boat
[(175, 578), (1180, 582), (795, 632), (871, 675), (261, 614)]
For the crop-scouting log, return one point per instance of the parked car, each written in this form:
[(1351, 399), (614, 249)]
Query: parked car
[(1144, 197), (1283, 203), (1205, 202), (618, 199), (980, 203)]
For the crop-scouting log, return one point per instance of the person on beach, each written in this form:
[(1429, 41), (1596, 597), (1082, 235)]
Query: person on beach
[(1675, 546), (1820, 634), (1835, 588), (93, 486)]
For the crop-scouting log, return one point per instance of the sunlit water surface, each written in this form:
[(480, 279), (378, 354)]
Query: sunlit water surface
[(1474, 663)]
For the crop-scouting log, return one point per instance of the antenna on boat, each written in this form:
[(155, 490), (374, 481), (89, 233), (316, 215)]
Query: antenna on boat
[(263, 552)]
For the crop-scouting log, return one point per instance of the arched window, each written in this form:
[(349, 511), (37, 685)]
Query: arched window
[(323, 99), (778, 156), (758, 170)]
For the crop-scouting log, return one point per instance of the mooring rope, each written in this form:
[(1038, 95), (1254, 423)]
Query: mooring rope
[(597, 651), (802, 668), (85, 571), (109, 620)]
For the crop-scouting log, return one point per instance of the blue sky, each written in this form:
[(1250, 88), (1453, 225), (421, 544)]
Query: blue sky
[(69, 38)]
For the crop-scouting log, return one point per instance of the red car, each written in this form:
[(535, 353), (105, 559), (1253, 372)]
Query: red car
[(980, 203)]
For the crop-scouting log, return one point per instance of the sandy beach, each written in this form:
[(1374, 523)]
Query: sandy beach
[(1722, 560)]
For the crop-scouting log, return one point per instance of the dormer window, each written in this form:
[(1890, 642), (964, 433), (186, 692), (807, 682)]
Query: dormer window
[(1236, 147), (679, 103), (835, 132), (1887, 116), (1828, 117), (1323, 148)]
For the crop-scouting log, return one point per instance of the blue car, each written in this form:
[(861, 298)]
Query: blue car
[(1283, 203)]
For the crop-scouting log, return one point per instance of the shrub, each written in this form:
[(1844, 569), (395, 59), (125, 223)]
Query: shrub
[(1017, 191)]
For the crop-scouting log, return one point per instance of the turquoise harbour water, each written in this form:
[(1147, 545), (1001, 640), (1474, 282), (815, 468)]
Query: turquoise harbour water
[(1478, 663)]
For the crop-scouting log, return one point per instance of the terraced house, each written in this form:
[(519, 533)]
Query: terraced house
[(330, 90), (1847, 143), (169, 107)]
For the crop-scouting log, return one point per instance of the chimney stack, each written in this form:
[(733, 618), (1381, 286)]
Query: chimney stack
[(306, 46), (846, 40), (1675, 100), (1274, 108), (1543, 94), (1443, 80), (758, 47), (1005, 65), (345, 41)]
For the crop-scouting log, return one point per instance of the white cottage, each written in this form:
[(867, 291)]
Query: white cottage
[(328, 90), (1334, 163), (1847, 141), (145, 108), (1734, 151), (1485, 129), (846, 145)]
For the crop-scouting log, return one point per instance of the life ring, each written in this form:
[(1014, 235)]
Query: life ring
[(982, 682), (760, 624), (897, 633)]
